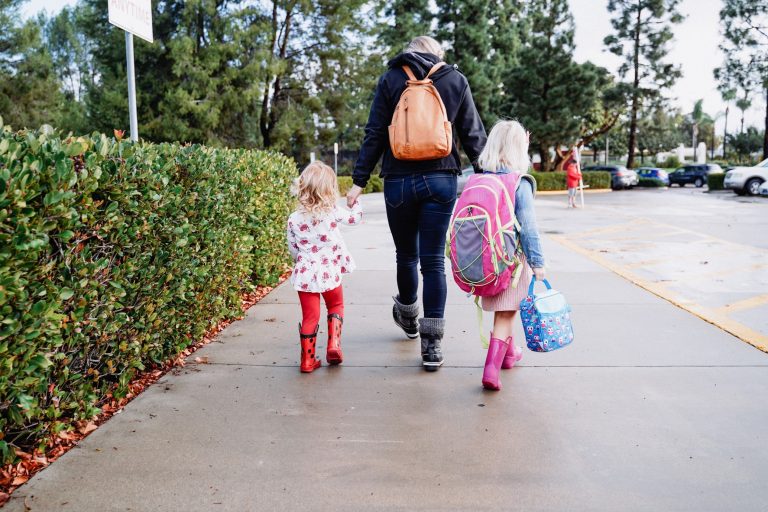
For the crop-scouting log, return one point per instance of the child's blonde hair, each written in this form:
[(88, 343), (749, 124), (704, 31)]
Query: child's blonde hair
[(317, 188), (507, 147)]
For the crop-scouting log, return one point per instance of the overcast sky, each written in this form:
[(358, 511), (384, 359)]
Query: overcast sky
[(694, 47)]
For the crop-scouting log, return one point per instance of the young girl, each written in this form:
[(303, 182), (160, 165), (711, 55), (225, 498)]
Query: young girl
[(507, 151), (321, 258), (573, 176)]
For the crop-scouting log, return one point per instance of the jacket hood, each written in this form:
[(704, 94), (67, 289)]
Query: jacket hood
[(420, 63)]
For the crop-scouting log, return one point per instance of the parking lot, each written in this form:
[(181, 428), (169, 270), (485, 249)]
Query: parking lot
[(704, 252)]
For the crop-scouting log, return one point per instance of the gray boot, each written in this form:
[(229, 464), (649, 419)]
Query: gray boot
[(405, 317), (431, 330)]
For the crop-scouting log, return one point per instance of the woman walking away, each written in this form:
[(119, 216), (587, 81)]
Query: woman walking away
[(507, 152), (573, 176), (321, 258), (419, 176)]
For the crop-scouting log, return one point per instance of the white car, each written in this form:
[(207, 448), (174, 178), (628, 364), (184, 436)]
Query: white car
[(764, 189), (747, 180)]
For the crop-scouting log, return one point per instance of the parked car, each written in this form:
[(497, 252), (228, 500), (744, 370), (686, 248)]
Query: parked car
[(747, 180), (764, 189), (693, 173), (621, 177), (654, 173), (463, 178)]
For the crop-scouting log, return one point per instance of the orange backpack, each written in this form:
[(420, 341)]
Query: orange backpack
[(420, 129)]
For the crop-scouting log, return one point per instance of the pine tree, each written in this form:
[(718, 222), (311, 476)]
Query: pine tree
[(553, 96), (29, 91), (643, 29), (745, 37), (464, 27), (404, 20)]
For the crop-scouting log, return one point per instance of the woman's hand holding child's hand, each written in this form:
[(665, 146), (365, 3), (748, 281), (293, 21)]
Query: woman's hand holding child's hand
[(352, 195), (540, 273)]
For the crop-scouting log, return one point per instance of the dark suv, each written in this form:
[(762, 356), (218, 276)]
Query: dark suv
[(621, 177), (695, 173)]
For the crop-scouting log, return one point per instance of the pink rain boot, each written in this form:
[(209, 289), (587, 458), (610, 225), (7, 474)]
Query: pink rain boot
[(514, 354), (496, 351)]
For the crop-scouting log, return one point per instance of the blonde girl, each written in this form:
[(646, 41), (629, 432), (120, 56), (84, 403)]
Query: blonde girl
[(506, 152), (321, 259)]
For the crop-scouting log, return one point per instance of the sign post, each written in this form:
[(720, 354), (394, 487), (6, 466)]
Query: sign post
[(135, 17), (336, 157)]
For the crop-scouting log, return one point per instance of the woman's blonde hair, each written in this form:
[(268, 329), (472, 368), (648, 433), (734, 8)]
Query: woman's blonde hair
[(425, 44), (506, 148), (318, 189)]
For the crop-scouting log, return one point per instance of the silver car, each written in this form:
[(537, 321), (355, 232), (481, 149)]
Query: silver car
[(747, 180)]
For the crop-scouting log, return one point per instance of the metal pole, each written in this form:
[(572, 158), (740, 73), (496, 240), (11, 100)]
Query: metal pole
[(131, 87), (606, 151)]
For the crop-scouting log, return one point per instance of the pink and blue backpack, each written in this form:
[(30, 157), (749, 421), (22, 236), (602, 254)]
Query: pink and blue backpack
[(484, 235)]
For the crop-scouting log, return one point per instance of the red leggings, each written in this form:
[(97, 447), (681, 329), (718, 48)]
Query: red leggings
[(310, 307)]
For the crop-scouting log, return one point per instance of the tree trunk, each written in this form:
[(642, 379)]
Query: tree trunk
[(264, 127), (635, 94), (765, 136), (546, 161), (725, 133)]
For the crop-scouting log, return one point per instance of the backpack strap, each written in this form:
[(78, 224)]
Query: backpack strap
[(434, 68), (410, 74)]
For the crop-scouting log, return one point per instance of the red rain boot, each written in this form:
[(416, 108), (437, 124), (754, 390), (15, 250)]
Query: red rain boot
[(514, 354), (497, 349), (333, 354), (308, 361)]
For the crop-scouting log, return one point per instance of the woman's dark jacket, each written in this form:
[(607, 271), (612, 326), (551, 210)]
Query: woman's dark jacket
[(459, 106)]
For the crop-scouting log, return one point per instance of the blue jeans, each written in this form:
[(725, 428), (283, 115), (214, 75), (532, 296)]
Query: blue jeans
[(419, 208)]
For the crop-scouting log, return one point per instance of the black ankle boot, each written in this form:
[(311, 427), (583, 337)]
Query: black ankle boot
[(431, 353), (431, 330), (406, 317)]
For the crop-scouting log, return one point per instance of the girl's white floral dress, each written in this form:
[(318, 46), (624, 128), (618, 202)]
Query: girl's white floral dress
[(318, 249)]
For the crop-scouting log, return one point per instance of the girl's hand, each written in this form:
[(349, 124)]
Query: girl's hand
[(352, 195), (540, 273)]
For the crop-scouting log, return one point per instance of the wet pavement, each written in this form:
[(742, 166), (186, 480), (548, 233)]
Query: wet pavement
[(651, 408), (706, 252)]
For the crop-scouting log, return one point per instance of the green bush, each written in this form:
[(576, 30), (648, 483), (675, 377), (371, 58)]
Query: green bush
[(115, 256), (671, 162), (716, 181), (651, 182), (375, 184), (546, 181)]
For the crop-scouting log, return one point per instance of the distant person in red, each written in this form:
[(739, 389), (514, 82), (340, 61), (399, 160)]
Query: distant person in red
[(572, 176)]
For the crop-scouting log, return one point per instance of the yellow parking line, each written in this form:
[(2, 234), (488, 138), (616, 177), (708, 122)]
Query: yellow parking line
[(741, 305), (714, 317)]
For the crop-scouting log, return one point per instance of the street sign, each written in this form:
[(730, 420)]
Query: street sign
[(134, 16)]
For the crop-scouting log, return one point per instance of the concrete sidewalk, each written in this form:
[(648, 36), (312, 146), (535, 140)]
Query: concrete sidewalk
[(650, 409)]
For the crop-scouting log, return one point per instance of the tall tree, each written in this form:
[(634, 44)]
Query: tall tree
[(464, 27), (642, 31), (553, 96), (403, 20), (745, 46), (29, 91)]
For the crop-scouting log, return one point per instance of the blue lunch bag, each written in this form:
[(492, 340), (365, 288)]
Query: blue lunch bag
[(546, 319)]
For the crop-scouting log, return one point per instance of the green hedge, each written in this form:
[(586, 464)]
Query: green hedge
[(651, 183), (115, 256), (375, 184), (546, 181), (716, 181)]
